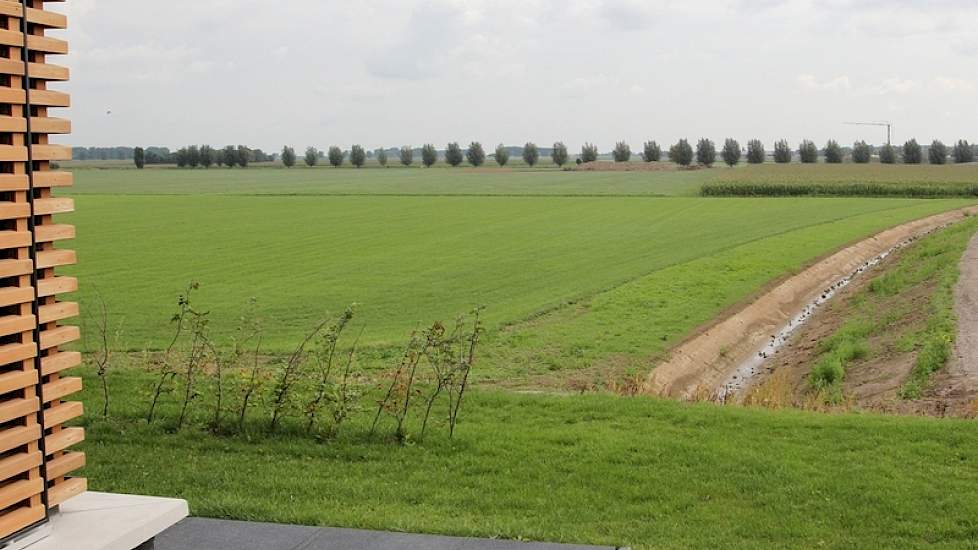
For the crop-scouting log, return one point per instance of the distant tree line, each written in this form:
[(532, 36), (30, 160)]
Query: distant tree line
[(202, 156), (705, 153)]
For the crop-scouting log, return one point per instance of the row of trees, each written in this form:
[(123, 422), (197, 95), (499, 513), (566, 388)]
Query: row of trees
[(682, 153), (203, 156), (453, 155)]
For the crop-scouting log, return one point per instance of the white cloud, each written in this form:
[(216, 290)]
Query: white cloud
[(837, 84), (953, 85)]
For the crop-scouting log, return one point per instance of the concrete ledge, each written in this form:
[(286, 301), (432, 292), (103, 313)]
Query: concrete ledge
[(104, 521)]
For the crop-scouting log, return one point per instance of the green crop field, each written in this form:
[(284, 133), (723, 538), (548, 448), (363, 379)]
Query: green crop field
[(581, 274), (416, 259)]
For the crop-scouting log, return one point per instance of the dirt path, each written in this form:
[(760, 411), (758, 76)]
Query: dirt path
[(956, 387), (702, 365)]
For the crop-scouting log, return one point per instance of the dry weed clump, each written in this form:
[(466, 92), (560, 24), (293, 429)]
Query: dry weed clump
[(777, 392)]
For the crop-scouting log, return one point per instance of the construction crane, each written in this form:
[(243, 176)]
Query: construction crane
[(882, 123)]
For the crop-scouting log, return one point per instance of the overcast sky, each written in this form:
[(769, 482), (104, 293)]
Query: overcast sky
[(392, 72)]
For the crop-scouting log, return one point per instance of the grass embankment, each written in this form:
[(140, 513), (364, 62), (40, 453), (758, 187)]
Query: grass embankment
[(595, 469), (931, 266)]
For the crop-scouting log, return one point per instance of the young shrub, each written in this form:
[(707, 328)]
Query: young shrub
[(453, 154), (755, 152), (651, 152), (166, 370), (407, 155), (502, 155), (963, 152), (195, 360), (288, 377), (681, 153), (912, 153), (808, 152), (706, 152), (429, 156), (888, 154), (589, 152), (382, 157), (833, 152), (622, 152), (475, 154), (731, 152), (335, 155), (559, 155), (861, 152), (782, 152), (531, 154), (937, 154), (327, 391), (357, 156)]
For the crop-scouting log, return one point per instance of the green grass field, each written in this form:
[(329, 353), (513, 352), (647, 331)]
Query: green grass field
[(596, 469), (575, 284), (415, 259)]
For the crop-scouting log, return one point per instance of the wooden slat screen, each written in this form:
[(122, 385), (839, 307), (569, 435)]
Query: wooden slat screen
[(36, 456)]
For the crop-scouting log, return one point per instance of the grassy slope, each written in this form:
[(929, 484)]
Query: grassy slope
[(599, 469), (410, 259)]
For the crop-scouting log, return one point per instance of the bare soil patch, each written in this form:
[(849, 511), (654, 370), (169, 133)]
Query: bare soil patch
[(611, 166)]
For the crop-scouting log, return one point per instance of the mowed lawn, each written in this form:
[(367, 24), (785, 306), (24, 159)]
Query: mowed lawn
[(417, 259), (639, 472)]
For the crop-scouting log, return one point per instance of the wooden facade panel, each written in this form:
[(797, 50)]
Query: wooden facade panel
[(54, 232), (47, 19), (59, 414), (61, 205), (34, 393), (65, 464), (51, 152), (50, 98), (17, 380), (46, 44), (55, 258), (56, 285), (14, 324), (19, 463), (14, 182), (61, 387), (60, 492), (53, 179), (16, 518), (15, 239), (59, 336), (19, 436), (54, 363), (63, 439)]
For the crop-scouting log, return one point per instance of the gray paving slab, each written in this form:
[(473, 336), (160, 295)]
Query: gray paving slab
[(212, 534)]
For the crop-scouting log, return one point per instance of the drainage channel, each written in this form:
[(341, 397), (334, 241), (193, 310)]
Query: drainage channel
[(750, 368)]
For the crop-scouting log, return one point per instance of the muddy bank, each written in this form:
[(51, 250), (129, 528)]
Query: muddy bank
[(701, 367)]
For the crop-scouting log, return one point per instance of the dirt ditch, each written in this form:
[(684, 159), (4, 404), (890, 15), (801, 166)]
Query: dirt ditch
[(704, 366)]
